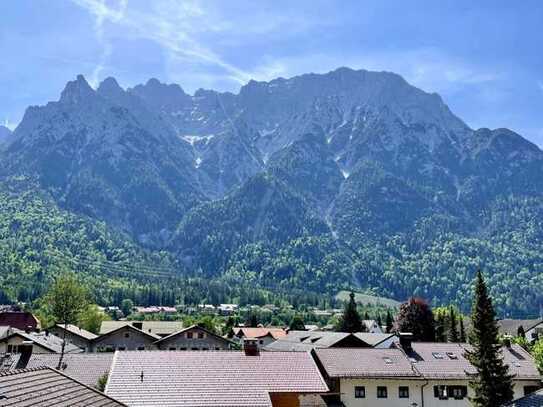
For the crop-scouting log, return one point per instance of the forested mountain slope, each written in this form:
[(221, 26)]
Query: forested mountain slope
[(345, 179)]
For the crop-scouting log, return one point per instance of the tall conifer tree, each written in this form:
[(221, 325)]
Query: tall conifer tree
[(351, 321), (452, 334), (492, 384)]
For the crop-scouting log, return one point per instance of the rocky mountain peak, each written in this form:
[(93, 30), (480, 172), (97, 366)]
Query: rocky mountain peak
[(110, 88), (77, 91)]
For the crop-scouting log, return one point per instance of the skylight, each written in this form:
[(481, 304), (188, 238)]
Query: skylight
[(452, 355), (437, 355), (387, 360)]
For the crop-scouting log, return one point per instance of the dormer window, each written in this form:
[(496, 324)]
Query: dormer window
[(437, 355), (452, 355)]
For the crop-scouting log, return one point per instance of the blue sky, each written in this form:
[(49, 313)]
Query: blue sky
[(485, 58)]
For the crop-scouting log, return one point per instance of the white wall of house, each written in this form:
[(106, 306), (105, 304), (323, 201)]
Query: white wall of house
[(348, 395)]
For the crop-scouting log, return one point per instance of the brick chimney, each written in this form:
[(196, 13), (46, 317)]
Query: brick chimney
[(250, 346)]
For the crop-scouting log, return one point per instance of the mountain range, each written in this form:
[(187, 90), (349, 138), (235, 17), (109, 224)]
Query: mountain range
[(321, 181)]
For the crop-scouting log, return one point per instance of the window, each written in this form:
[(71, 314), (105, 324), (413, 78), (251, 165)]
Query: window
[(182, 348), (217, 348), (403, 392), (382, 392), (359, 392), (126, 335), (194, 349), (200, 335), (121, 348), (141, 347), (189, 335), (440, 392), (457, 392), (205, 348), (437, 355), (172, 348), (261, 342)]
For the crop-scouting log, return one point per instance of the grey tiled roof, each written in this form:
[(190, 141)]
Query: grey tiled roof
[(510, 326), (195, 327), (44, 387), (160, 328), (365, 362), (446, 360), (84, 367), (210, 378), (303, 341), (48, 341), (77, 331), (531, 400)]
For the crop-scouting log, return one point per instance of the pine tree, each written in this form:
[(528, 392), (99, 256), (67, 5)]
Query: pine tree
[(492, 384), (351, 321), (389, 322), (453, 335), (462, 330), (415, 316), (441, 335), (379, 320)]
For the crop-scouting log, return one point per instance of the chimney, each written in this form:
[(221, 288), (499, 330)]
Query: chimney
[(507, 341), (406, 338), (250, 346)]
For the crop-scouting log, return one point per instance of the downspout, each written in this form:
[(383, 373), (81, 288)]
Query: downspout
[(422, 392)]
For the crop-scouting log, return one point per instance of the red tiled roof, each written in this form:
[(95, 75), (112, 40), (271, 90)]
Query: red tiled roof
[(276, 333), (18, 319), (365, 362), (210, 378)]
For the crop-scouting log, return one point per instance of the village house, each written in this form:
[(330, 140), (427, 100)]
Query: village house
[(372, 326), (533, 328), (226, 379), (46, 387), (24, 321), (40, 342), (155, 310), (194, 338), (227, 309), (125, 337), (74, 335), (158, 328), (415, 374), (263, 336)]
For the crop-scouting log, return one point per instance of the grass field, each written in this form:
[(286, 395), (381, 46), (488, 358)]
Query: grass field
[(368, 299)]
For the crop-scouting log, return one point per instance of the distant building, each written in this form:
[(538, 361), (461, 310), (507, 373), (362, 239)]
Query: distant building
[(156, 310), (264, 336), (45, 386), (227, 379), (125, 337), (372, 326), (158, 328), (227, 309), (74, 335), (194, 338), (21, 320), (206, 309), (533, 328)]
